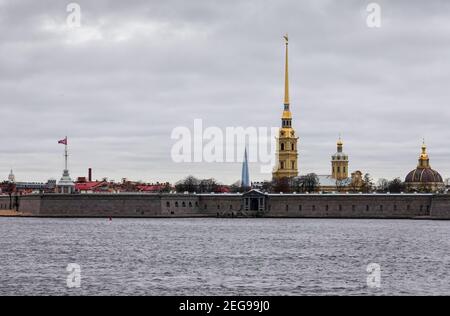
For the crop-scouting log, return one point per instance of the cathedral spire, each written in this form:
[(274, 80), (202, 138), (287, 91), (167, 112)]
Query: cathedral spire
[(286, 75), (287, 156)]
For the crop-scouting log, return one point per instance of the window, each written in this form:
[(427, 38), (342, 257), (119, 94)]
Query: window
[(353, 208), (282, 164), (327, 208), (344, 169), (293, 147), (282, 146), (231, 207), (168, 204), (183, 204), (176, 204), (408, 207), (313, 208), (339, 169), (367, 208), (395, 207), (340, 207), (300, 208), (381, 208), (190, 204), (287, 208), (292, 164), (218, 206)]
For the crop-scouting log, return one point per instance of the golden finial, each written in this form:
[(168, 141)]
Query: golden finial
[(340, 142), (423, 160)]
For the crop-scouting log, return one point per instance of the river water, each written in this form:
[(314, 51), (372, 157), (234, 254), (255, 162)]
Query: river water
[(224, 256)]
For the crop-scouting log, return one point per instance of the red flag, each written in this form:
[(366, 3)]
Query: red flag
[(63, 141)]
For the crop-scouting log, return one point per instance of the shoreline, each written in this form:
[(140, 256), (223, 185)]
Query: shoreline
[(14, 214)]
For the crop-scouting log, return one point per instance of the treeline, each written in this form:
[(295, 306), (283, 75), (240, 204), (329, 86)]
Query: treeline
[(191, 184), (303, 184)]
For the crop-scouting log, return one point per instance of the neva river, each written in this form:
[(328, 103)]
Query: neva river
[(223, 256)]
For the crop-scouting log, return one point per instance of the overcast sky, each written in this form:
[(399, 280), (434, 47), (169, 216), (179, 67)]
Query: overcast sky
[(118, 85)]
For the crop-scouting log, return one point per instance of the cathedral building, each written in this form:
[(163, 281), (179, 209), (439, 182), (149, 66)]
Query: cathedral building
[(423, 178), (287, 156)]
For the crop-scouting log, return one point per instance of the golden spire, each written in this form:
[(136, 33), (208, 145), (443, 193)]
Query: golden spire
[(286, 74), (424, 160)]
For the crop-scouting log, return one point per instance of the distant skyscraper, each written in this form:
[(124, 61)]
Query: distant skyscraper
[(245, 182)]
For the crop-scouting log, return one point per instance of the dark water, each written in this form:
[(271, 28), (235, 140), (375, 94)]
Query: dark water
[(223, 256)]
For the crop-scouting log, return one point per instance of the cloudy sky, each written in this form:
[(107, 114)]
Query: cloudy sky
[(133, 71)]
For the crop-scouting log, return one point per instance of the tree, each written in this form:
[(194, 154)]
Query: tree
[(208, 185), (396, 186), (267, 186), (281, 185), (188, 184), (367, 184), (236, 187), (383, 185), (306, 183)]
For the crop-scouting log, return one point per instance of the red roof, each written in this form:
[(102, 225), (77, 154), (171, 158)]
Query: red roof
[(88, 186), (149, 188)]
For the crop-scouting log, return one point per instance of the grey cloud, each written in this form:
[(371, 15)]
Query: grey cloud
[(221, 61)]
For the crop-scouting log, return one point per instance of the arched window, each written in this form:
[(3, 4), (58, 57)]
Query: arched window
[(282, 146), (183, 204), (176, 204), (292, 146)]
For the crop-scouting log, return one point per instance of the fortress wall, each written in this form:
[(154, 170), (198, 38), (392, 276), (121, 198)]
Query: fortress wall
[(175, 205), (92, 205), (203, 205), (30, 204), (349, 206), (230, 205), (4, 202), (441, 207), (223, 205)]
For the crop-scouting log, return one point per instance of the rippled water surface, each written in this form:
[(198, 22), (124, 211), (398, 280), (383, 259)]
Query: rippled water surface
[(223, 256)]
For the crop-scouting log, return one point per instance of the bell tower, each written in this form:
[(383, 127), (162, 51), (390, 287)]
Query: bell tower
[(287, 156), (339, 162)]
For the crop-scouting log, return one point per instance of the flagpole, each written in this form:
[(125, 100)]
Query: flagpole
[(65, 154)]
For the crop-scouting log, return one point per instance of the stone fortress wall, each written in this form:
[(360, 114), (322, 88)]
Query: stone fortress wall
[(251, 204)]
